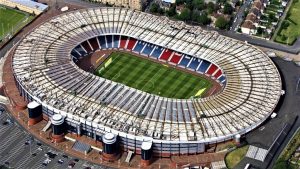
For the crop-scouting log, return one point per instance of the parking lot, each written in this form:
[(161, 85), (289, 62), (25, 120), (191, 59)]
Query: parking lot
[(19, 150)]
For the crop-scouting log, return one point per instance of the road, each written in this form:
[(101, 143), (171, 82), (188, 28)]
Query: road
[(262, 42)]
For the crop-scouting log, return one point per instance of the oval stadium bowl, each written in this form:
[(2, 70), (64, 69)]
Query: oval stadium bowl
[(46, 71)]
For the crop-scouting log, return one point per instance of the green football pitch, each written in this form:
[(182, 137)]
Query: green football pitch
[(152, 77), (11, 20)]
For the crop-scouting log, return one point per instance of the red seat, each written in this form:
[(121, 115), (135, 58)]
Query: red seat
[(131, 43), (176, 58), (212, 69), (94, 43), (218, 74), (123, 42), (166, 54), (86, 46)]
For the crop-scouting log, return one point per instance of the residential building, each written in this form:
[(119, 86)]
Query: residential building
[(252, 19)]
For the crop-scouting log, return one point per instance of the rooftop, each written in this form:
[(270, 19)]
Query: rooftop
[(31, 4)]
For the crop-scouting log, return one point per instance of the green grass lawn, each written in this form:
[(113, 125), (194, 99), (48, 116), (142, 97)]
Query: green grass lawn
[(152, 77), (286, 154), (11, 19), (234, 157), (289, 34)]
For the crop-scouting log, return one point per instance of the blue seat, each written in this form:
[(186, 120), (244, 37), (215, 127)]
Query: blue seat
[(139, 46), (148, 49), (185, 61), (109, 41), (102, 42), (75, 54), (116, 41), (195, 63), (157, 52), (203, 67), (222, 79), (80, 50)]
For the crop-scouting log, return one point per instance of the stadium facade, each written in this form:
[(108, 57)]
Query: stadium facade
[(45, 72)]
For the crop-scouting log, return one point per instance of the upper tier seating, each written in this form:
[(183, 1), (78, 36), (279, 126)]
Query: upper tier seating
[(185, 60), (80, 50), (116, 41), (166, 55), (218, 74), (175, 58), (109, 41), (139, 46), (123, 43), (203, 66), (86, 46), (157, 52), (131, 43), (102, 42), (194, 63), (94, 43), (211, 69), (148, 49)]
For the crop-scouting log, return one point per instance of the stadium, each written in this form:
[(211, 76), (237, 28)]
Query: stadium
[(139, 78)]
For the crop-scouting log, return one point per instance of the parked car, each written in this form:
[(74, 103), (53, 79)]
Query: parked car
[(71, 164), (50, 155), (46, 162), (60, 161)]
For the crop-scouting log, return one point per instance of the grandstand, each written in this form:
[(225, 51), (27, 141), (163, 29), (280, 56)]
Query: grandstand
[(45, 71)]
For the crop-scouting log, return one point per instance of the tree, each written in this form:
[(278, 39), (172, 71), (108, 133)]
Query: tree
[(154, 8), (203, 19), (221, 1), (195, 15), (161, 11), (180, 2), (221, 23), (283, 38), (185, 14), (285, 24), (288, 14), (228, 9), (260, 30), (172, 11), (198, 4), (272, 17), (210, 7)]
